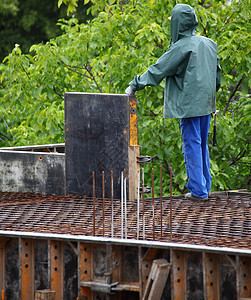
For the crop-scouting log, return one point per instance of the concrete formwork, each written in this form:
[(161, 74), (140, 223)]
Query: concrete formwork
[(103, 268), (69, 245)]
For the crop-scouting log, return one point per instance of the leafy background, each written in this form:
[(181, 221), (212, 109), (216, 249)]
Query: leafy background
[(118, 40)]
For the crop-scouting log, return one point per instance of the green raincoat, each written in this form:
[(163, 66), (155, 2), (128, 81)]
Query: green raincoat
[(190, 66)]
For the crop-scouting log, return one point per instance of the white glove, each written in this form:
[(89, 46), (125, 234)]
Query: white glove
[(129, 91)]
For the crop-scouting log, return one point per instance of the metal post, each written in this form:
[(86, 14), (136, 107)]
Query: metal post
[(125, 203), (171, 196), (138, 206), (153, 209), (143, 203), (161, 232)]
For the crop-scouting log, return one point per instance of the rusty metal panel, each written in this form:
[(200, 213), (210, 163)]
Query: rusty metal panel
[(179, 280), (57, 268), (244, 277), (97, 139), (27, 269), (211, 276), (85, 265)]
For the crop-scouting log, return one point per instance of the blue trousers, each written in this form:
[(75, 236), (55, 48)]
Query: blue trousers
[(194, 133)]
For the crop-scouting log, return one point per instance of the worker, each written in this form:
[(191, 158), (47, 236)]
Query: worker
[(192, 72)]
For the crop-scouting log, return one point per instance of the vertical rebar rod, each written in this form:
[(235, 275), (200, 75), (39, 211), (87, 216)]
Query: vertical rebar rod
[(112, 228), (138, 205), (122, 204), (143, 202), (93, 192), (171, 205), (153, 209), (125, 203), (103, 193), (161, 193)]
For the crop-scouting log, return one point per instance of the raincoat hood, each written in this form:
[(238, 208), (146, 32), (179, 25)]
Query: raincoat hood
[(183, 22)]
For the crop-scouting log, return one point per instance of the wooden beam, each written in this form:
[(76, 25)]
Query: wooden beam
[(134, 168), (145, 266), (133, 121), (157, 279)]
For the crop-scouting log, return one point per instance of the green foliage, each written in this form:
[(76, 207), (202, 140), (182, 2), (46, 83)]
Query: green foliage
[(31, 21), (123, 39)]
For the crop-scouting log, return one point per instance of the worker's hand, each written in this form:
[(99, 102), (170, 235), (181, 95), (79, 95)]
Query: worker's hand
[(129, 91)]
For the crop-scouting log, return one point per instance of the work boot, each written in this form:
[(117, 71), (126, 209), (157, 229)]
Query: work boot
[(189, 196)]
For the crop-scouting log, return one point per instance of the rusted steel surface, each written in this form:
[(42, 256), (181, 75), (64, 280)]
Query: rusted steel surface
[(27, 269), (223, 220)]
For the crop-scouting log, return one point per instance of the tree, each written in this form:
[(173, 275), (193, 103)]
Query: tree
[(28, 22), (103, 55)]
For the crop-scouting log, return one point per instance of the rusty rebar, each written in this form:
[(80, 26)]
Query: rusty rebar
[(153, 208), (122, 205), (93, 193), (125, 201), (161, 200), (112, 226), (171, 205), (103, 194)]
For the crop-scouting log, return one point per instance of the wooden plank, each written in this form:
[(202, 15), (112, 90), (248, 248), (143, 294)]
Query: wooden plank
[(157, 279), (145, 267), (45, 295), (134, 168), (85, 262), (211, 276), (27, 269), (178, 282), (57, 268), (133, 121)]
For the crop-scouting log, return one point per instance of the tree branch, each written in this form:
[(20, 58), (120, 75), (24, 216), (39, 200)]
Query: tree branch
[(60, 95), (232, 94)]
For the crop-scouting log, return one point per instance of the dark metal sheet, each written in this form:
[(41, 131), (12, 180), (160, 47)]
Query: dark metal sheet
[(97, 139)]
